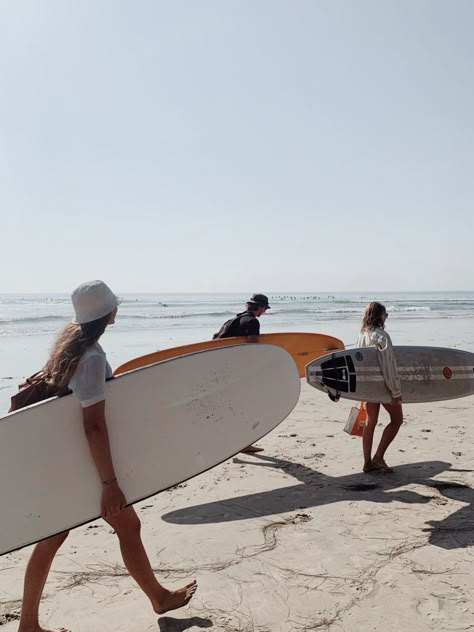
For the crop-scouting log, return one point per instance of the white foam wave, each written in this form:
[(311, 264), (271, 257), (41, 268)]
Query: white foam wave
[(409, 308)]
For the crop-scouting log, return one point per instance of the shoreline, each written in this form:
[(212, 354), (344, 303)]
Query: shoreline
[(24, 355)]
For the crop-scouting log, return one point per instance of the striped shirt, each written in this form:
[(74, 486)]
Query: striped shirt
[(380, 339)]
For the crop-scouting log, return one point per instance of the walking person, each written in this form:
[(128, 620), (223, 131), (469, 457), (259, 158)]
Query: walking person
[(373, 334), (77, 360), (246, 324)]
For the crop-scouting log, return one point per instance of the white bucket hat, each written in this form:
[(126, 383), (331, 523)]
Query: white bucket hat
[(92, 300)]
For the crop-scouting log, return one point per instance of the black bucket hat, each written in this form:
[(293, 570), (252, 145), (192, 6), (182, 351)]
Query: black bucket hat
[(260, 299)]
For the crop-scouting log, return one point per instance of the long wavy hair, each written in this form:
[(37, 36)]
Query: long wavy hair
[(69, 347), (373, 316)]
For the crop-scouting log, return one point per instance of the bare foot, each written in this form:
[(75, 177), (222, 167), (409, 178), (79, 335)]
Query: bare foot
[(176, 598), (379, 464), (369, 467), (250, 449)]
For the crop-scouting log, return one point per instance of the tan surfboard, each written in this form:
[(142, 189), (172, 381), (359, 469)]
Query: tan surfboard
[(303, 348)]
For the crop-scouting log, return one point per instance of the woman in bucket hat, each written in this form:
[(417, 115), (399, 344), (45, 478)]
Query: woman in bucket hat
[(77, 360)]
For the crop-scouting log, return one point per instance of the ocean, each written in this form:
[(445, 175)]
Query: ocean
[(146, 322)]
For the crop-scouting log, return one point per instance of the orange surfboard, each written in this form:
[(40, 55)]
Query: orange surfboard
[(302, 347)]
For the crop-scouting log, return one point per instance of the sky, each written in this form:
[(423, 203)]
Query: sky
[(236, 145)]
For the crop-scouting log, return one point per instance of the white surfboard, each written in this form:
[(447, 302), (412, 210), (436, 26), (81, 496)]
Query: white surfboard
[(167, 423), (427, 374)]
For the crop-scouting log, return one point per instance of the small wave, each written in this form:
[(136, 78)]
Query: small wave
[(126, 315), (34, 319), (222, 314), (409, 308), (316, 310), (37, 300)]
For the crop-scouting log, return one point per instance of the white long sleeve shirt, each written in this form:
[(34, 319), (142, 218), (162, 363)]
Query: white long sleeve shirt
[(380, 339)]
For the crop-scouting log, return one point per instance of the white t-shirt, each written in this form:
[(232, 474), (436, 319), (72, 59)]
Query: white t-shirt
[(88, 380)]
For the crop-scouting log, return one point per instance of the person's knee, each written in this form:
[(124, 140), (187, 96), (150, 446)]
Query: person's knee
[(55, 542), (134, 523), (396, 422), (396, 417), (126, 522)]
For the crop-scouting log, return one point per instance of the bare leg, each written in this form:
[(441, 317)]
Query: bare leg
[(368, 436), (35, 579), (127, 526), (396, 419)]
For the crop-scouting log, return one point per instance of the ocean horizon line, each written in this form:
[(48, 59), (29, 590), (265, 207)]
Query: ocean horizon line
[(232, 292)]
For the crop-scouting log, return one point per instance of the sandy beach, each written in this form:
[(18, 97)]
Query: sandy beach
[(294, 539), (164, 168)]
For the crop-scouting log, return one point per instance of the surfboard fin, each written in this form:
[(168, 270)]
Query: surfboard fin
[(333, 397)]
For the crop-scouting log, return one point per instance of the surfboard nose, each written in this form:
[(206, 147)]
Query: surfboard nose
[(337, 373)]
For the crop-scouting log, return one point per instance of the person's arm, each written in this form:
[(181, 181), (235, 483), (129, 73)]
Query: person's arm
[(97, 435), (88, 385), (252, 330), (388, 366)]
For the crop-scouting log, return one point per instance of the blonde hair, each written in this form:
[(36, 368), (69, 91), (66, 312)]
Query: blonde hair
[(72, 341), (373, 316)]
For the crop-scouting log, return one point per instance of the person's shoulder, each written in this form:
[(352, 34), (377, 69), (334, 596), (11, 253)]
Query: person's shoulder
[(386, 335), (378, 332), (94, 350), (92, 356), (93, 363), (248, 316), (381, 337), (249, 325)]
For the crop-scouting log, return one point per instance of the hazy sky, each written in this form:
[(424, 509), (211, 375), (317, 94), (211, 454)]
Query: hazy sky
[(237, 144)]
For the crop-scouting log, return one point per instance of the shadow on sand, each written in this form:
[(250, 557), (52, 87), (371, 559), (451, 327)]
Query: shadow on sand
[(317, 489), (170, 624)]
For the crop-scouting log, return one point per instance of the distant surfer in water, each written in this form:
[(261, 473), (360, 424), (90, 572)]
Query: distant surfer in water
[(246, 324), (77, 360), (373, 334)]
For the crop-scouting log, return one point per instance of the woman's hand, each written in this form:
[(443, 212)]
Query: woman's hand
[(113, 500), (396, 401)]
